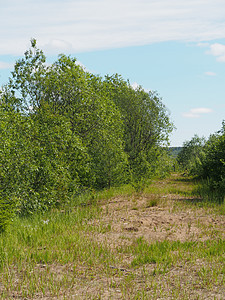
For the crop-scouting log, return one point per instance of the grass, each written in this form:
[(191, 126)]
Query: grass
[(32, 248), (82, 252)]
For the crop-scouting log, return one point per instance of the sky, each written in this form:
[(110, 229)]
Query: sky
[(174, 47)]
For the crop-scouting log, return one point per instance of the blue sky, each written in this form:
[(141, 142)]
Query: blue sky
[(176, 47)]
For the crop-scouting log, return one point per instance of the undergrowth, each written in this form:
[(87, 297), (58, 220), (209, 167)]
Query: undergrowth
[(56, 254)]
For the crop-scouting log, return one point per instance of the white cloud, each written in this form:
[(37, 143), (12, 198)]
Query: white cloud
[(217, 50), (197, 112), (201, 110), (209, 73), (57, 46), (190, 115), (75, 25), (135, 85), (203, 45)]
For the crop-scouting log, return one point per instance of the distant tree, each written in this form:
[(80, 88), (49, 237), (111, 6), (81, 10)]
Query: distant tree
[(191, 156), (214, 162)]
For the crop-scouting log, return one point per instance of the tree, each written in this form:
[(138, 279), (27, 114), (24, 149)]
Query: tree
[(27, 82), (78, 96), (43, 163), (146, 123), (64, 129), (8, 172), (191, 156), (214, 162)]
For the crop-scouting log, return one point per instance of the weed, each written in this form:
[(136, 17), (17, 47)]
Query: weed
[(62, 253), (152, 202)]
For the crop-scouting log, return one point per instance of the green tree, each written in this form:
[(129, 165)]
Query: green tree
[(8, 177), (78, 96), (26, 85), (41, 160), (191, 157), (146, 124), (94, 117), (214, 162), (64, 129)]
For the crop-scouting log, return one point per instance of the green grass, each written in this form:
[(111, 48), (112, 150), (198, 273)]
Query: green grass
[(31, 249), (172, 185), (51, 237), (167, 253), (164, 262), (69, 251)]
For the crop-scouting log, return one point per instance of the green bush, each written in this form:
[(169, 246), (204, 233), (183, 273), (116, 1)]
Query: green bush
[(214, 162), (190, 158), (42, 162), (206, 160), (7, 211), (64, 130)]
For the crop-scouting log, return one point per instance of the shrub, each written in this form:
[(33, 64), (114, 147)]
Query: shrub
[(7, 211)]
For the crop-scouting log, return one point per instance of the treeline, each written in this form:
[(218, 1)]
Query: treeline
[(205, 159), (64, 130)]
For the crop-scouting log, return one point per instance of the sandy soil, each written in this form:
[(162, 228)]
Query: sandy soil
[(155, 217), (133, 217)]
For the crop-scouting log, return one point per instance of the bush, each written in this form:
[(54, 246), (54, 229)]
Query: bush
[(206, 159), (42, 162), (191, 156), (211, 191), (64, 130), (7, 211)]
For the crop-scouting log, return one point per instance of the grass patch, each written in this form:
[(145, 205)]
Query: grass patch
[(175, 184), (53, 237), (36, 252), (81, 251), (169, 252), (152, 202)]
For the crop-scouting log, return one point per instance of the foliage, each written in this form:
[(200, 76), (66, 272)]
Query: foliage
[(7, 211), (214, 163), (206, 159), (64, 130), (146, 125), (40, 159), (191, 155), (26, 83), (213, 168), (8, 163)]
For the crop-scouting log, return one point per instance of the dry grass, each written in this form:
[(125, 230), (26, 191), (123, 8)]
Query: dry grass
[(161, 244)]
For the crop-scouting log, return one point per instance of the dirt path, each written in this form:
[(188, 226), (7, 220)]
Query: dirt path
[(158, 223), (163, 244), (158, 217)]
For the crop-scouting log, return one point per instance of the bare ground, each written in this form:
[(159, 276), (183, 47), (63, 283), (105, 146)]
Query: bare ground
[(154, 217)]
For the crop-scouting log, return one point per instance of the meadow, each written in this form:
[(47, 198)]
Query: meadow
[(164, 243)]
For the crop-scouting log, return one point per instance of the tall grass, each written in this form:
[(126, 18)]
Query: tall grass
[(55, 254), (47, 238), (166, 253), (32, 250), (210, 195)]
